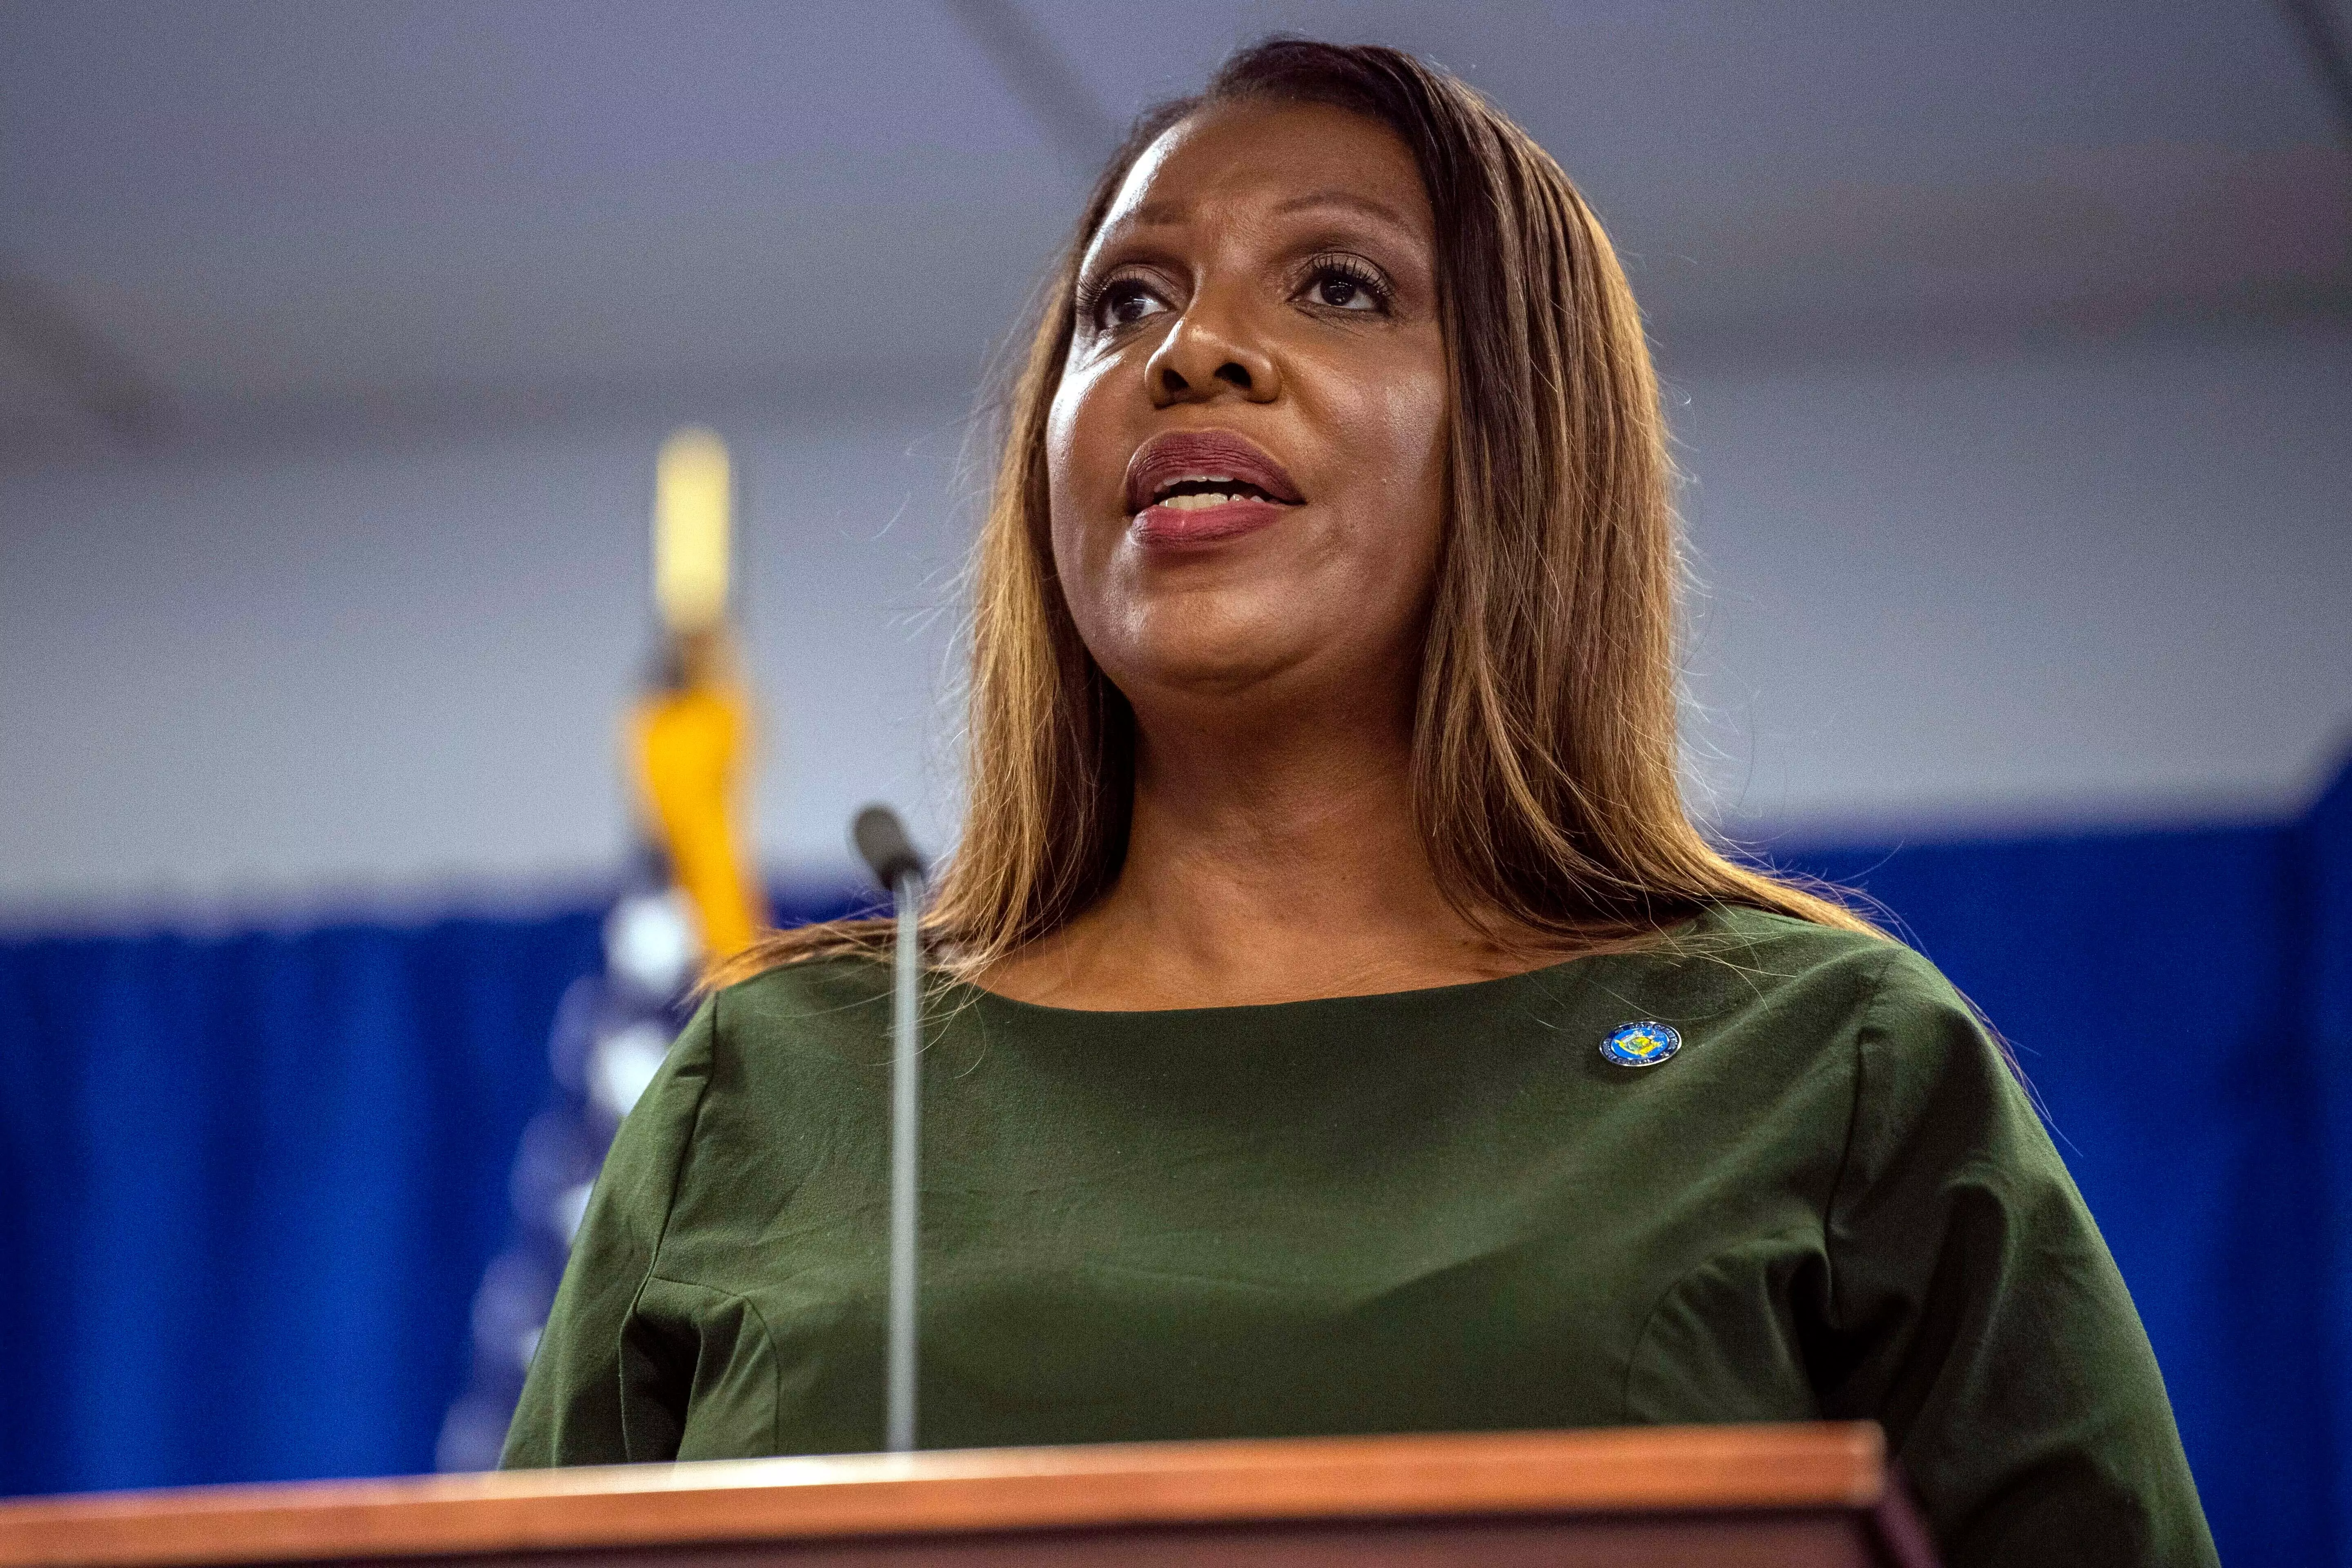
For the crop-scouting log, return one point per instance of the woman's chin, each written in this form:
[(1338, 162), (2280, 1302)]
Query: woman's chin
[(1195, 668)]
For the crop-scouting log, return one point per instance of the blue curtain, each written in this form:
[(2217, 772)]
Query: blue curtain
[(2182, 1003), (251, 1183)]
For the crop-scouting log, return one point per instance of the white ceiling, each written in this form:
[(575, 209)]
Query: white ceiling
[(285, 214)]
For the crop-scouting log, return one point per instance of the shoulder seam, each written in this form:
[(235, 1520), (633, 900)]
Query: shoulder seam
[(1642, 1336), (1650, 1318), (669, 1203), (1854, 1118), (767, 1337), (685, 1147)]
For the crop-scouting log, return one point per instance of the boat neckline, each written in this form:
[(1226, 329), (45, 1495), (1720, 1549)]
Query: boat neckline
[(1453, 988)]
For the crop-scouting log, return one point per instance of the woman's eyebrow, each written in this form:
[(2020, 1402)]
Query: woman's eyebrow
[(1353, 200), (1155, 214), (1151, 215)]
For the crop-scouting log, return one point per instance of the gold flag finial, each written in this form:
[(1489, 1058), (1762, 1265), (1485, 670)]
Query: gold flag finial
[(690, 738)]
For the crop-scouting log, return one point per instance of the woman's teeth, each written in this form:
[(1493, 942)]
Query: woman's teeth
[(1198, 492)]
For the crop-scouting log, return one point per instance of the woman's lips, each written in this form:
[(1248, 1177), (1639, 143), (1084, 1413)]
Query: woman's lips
[(1227, 519), (1195, 486)]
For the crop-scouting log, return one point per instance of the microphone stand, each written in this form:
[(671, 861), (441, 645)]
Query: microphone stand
[(882, 841)]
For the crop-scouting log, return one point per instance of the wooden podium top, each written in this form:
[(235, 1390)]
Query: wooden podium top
[(1821, 1472)]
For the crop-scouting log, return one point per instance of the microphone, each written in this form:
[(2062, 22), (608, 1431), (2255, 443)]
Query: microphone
[(882, 843)]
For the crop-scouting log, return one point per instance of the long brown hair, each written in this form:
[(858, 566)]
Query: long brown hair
[(1545, 746)]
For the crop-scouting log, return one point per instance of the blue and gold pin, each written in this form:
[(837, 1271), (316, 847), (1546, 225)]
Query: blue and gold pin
[(1641, 1044)]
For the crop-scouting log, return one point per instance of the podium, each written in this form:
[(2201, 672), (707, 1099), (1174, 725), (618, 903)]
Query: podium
[(1757, 1497)]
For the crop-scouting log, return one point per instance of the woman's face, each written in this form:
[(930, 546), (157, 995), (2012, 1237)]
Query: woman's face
[(1247, 450)]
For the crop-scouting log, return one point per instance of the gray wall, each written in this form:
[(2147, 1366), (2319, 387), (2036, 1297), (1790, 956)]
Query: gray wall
[(2097, 584), (1939, 594)]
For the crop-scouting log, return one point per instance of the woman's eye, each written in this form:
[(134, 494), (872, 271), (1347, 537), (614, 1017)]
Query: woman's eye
[(1125, 301), (1342, 293), (1340, 288)]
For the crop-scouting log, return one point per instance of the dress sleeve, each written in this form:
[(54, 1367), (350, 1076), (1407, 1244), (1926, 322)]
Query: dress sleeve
[(577, 1407), (1977, 1313)]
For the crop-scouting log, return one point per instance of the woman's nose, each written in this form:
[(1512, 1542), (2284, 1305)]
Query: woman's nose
[(1208, 355)]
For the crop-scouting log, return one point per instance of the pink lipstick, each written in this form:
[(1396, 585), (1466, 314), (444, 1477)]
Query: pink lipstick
[(1198, 486)]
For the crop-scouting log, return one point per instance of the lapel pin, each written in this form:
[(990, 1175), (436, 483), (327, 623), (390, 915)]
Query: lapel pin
[(1641, 1044)]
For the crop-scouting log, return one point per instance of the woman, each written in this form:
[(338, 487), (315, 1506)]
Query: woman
[(1340, 1026)]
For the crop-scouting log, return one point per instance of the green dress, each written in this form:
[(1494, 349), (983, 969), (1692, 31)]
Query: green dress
[(1437, 1210)]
